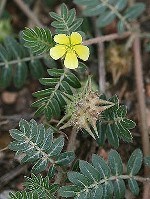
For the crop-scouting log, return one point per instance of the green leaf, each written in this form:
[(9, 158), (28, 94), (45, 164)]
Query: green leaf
[(86, 2), (40, 186), (81, 68), (105, 19), (119, 188), (94, 10), (112, 136), (65, 87), (101, 166), (66, 22), (114, 124), (119, 5), (120, 27), (55, 72), (14, 48), (96, 192), (55, 107), (51, 171), (49, 81), (135, 162), (44, 92), (123, 132), (72, 80), (101, 129), (89, 171), (5, 76), (40, 165), (4, 54), (78, 179), (64, 11), (107, 190), (133, 185), (20, 75), (36, 68), (75, 25), (56, 147), (14, 60), (82, 195), (39, 40), (23, 195), (127, 123), (16, 134), (134, 11), (69, 191), (65, 158), (115, 163)]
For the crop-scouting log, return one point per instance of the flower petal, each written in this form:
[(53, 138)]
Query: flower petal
[(75, 38), (71, 60), (82, 51), (57, 51), (61, 39)]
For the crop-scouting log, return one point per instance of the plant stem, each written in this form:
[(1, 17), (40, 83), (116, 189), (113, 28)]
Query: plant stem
[(117, 13), (59, 175), (141, 97), (113, 178), (142, 109), (126, 177), (26, 59), (106, 38), (101, 60), (4, 149), (71, 141), (102, 72)]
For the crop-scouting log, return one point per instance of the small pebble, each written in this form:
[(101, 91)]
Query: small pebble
[(9, 97), (5, 194)]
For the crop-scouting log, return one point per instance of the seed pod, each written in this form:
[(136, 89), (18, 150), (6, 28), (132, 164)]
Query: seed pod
[(84, 109)]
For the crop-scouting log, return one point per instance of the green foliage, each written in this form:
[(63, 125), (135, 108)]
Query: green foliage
[(23, 195), (133, 185), (13, 63), (38, 146), (107, 11), (101, 180), (39, 40), (37, 187), (5, 28), (134, 11), (114, 125), (51, 100), (135, 162), (66, 22), (41, 186)]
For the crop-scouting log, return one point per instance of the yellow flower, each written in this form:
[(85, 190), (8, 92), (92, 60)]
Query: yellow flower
[(70, 48)]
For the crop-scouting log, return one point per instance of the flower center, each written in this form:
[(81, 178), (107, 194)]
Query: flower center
[(70, 47)]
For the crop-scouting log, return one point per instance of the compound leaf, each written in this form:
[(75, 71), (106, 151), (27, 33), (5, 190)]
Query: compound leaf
[(66, 22), (39, 40), (38, 146)]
